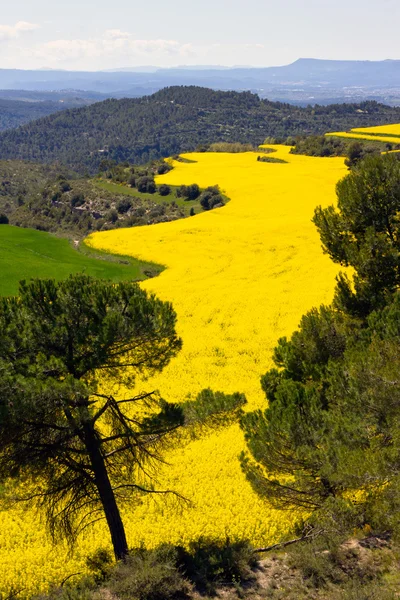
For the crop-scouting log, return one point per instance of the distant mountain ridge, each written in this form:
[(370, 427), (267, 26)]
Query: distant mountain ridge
[(307, 71), (306, 81), (174, 120)]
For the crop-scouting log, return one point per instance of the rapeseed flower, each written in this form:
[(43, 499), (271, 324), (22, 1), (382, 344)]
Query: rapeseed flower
[(239, 278)]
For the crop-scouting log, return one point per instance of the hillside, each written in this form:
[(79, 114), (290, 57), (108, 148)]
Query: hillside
[(174, 120), (54, 199), (14, 113), (26, 253)]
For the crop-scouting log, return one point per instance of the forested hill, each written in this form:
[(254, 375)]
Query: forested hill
[(174, 120), (14, 113)]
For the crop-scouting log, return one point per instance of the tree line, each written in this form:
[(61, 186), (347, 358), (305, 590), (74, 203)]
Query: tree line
[(328, 442), (175, 120)]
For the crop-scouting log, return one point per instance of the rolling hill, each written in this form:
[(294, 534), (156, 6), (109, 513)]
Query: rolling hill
[(26, 253), (173, 120), (14, 113)]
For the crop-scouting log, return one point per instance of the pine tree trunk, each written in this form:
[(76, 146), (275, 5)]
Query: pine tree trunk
[(106, 494)]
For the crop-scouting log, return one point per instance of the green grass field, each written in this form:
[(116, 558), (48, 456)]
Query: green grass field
[(27, 253)]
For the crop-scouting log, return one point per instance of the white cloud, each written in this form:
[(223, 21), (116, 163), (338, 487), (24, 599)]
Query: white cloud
[(116, 33), (12, 32), (117, 47), (114, 45)]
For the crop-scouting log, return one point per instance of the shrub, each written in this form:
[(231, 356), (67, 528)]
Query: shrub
[(100, 564), (99, 224), (65, 187), (163, 168), (150, 575), (317, 566), (211, 197), (208, 563), (151, 187), (188, 192), (3, 219), (72, 590), (270, 159), (140, 211), (56, 197), (164, 189), (146, 184), (112, 216), (77, 200), (157, 211), (230, 147), (269, 140), (124, 205)]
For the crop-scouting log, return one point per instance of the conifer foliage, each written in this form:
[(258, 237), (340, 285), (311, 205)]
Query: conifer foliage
[(329, 441), (67, 429)]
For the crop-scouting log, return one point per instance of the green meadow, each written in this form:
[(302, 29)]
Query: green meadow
[(27, 253)]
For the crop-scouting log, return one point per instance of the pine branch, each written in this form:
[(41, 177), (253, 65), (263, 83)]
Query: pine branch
[(309, 535)]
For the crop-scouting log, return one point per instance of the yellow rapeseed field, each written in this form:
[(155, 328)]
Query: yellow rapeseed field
[(239, 277), (389, 134), (393, 130)]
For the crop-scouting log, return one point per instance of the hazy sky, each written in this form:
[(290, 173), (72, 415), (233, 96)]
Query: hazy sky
[(105, 34)]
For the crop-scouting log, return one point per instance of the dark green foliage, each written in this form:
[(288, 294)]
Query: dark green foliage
[(213, 409), (211, 197), (319, 145), (76, 588), (3, 219), (31, 196), (124, 205), (77, 200), (146, 184), (175, 120), (106, 164), (164, 190), (188, 192), (360, 569), (100, 564), (163, 168), (150, 575), (112, 216), (209, 563), (365, 233), (354, 153), (271, 159), (165, 573), (83, 448), (57, 340), (14, 113), (65, 187), (192, 212), (347, 566), (318, 566), (233, 147), (332, 423)]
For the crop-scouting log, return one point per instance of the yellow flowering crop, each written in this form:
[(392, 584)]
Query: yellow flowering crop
[(389, 134), (393, 130), (239, 277)]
